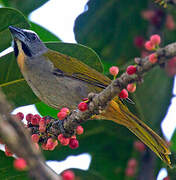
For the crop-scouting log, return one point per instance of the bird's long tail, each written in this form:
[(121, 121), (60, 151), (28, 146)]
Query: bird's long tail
[(119, 113)]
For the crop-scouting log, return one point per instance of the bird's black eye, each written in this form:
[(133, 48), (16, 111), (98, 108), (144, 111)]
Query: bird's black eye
[(33, 37)]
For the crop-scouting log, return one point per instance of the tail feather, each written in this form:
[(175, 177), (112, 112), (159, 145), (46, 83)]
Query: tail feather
[(119, 113)]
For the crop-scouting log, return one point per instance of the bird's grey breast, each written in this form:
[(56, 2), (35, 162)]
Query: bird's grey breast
[(55, 90)]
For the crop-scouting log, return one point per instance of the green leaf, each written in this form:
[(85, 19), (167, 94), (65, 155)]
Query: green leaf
[(45, 35), (7, 170), (15, 87), (109, 27), (9, 17), (26, 6)]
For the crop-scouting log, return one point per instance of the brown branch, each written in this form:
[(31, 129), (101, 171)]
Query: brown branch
[(99, 101), (17, 138)]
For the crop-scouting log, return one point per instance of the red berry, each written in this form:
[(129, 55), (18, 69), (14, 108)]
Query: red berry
[(149, 46), (61, 115), (42, 128), (148, 14), (65, 109), (153, 58), (20, 116), (155, 39), (114, 70), (170, 23), (68, 175), (167, 178), (139, 146), (171, 66), (44, 147), (42, 122), (139, 41), (131, 70), (35, 138), (50, 144), (73, 144), (79, 130), (130, 172), (123, 94), (29, 117), (20, 164), (7, 151), (34, 120), (131, 87), (132, 163), (63, 140), (82, 106)]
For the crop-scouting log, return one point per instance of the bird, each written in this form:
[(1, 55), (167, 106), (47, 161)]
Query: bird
[(59, 81)]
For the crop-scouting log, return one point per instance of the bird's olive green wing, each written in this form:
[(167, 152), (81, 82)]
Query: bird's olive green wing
[(71, 67)]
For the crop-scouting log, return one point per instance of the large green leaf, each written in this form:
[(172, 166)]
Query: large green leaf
[(7, 170), (16, 88), (109, 27), (9, 17), (25, 6)]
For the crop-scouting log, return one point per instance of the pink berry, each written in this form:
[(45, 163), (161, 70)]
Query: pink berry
[(35, 120), (132, 163), (65, 109), (73, 144), (130, 172), (44, 147), (63, 140), (82, 106), (139, 41), (79, 130), (42, 128), (35, 138), (153, 58), (139, 146), (42, 122), (167, 178), (148, 14), (123, 94), (20, 116), (50, 143), (131, 87), (149, 46), (155, 39), (131, 70), (171, 66), (114, 70), (29, 117), (7, 151), (61, 115), (20, 164), (68, 175), (170, 23)]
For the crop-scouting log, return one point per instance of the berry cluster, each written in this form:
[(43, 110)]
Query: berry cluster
[(114, 70), (40, 135)]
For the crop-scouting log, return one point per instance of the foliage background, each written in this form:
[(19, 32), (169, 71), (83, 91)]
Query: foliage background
[(109, 28)]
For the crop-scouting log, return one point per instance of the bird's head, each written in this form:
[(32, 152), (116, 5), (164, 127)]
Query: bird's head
[(27, 41)]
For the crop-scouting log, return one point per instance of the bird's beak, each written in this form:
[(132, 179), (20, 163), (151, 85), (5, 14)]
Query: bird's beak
[(17, 33)]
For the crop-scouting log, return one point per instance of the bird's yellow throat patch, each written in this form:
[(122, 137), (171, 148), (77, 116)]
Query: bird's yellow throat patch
[(21, 55)]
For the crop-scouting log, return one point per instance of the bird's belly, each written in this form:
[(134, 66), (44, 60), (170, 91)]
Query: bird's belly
[(58, 92)]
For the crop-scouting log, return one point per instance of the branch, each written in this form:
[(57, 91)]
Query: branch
[(98, 102), (17, 138)]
